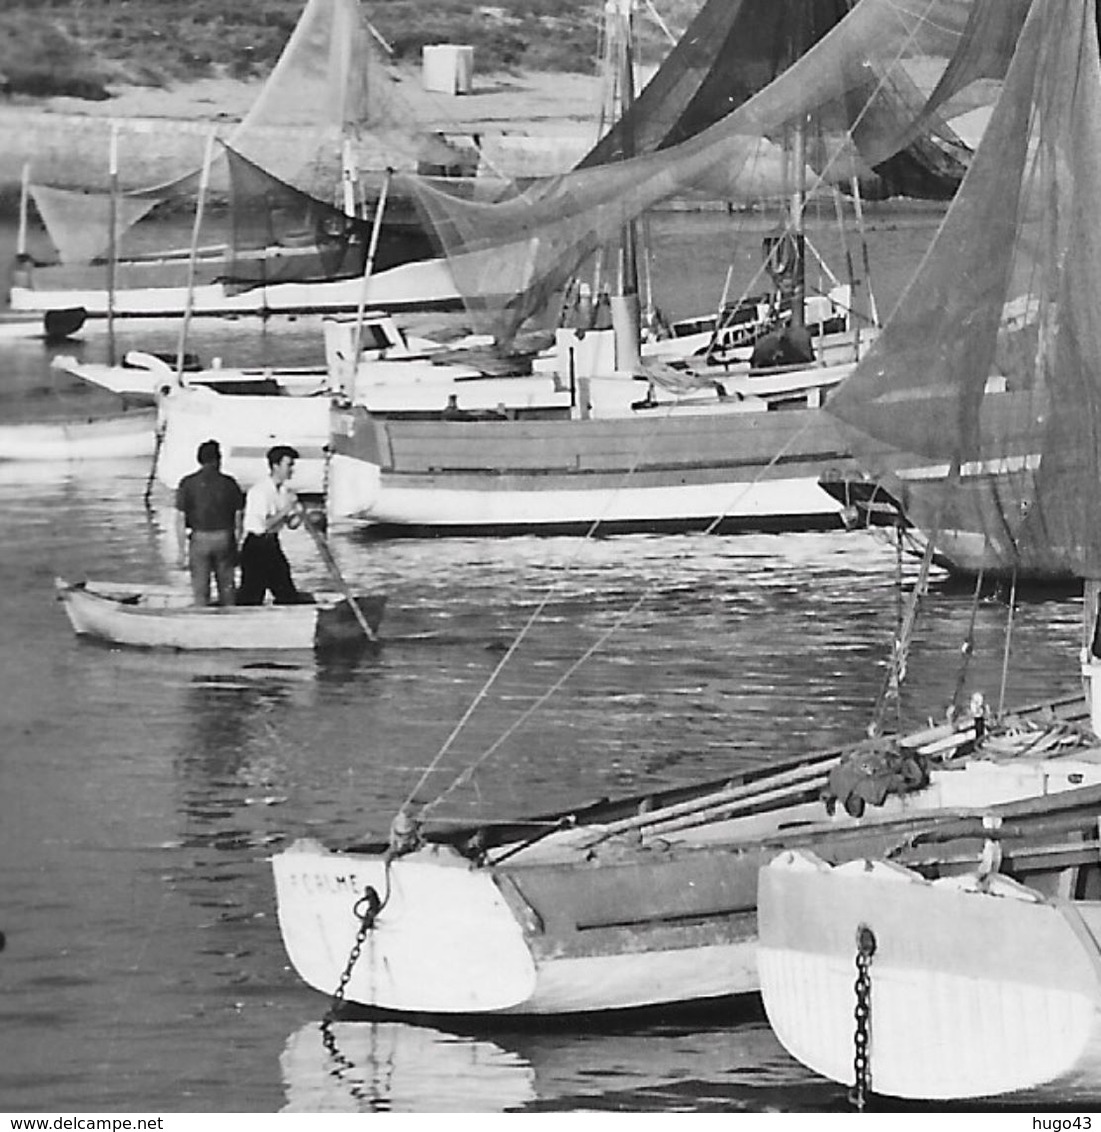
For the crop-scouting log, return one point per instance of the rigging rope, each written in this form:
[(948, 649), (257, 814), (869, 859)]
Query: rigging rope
[(466, 774), (1008, 637), (896, 672)]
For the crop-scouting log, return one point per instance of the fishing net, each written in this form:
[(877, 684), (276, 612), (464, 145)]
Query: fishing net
[(1006, 298), (331, 85), (849, 96)]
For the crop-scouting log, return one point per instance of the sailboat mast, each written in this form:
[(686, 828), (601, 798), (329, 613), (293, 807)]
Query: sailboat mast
[(625, 305), (798, 157), (798, 206)]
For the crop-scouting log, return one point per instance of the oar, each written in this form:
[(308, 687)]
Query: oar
[(327, 557)]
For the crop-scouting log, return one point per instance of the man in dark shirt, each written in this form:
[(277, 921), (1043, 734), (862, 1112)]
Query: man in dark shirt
[(208, 525)]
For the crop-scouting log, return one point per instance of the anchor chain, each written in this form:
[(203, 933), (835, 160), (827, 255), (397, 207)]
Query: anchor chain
[(862, 1078), (366, 910)]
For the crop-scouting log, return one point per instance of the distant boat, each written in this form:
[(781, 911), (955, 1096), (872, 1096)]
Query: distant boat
[(143, 615), (290, 249), (116, 437)]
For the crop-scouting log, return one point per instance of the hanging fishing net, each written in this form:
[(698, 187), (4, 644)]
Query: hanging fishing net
[(1005, 299), (850, 95)]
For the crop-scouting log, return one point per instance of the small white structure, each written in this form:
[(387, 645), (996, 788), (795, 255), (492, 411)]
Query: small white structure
[(448, 68)]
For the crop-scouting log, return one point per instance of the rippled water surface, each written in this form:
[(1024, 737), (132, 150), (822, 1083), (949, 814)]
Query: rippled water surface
[(142, 794)]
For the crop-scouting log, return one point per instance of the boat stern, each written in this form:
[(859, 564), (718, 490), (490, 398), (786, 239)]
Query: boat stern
[(442, 941), (972, 990)]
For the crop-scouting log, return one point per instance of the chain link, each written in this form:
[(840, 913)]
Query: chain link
[(365, 909), (862, 1077)]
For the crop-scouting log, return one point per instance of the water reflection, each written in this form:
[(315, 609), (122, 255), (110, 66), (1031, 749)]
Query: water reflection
[(393, 1067), (722, 1057)]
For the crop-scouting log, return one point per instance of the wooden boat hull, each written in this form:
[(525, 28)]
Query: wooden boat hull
[(146, 616), (578, 923), (682, 470), (124, 436), (141, 293), (973, 993)]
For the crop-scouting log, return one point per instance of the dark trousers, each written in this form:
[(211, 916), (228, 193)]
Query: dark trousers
[(212, 552), (264, 567)]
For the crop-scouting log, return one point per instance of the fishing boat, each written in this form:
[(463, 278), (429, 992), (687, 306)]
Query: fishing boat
[(643, 901), (164, 617), (325, 116), (736, 449), (974, 953), (127, 435), (142, 376), (972, 956), (650, 900)]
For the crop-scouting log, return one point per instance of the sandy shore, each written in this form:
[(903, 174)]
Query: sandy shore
[(551, 119), (531, 103)]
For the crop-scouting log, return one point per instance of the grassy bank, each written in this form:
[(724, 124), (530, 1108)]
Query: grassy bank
[(81, 48)]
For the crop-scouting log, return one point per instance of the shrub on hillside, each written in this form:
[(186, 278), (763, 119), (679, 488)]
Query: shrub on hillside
[(38, 58)]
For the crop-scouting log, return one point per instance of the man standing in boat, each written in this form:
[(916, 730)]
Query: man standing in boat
[(270, 505), (208, 525)]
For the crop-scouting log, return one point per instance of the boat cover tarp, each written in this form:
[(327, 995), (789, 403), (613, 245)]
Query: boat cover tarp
[(1008, 290)]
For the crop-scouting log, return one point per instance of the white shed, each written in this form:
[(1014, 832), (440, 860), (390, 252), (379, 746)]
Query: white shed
[(448, 68)]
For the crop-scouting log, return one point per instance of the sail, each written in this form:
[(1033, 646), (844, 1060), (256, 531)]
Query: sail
[(1006, 297), (510, 258)]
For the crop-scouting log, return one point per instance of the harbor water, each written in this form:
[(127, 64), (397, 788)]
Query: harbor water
[(142, 794)]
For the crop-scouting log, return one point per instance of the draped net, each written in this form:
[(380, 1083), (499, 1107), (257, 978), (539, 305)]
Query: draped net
[(850, 92), (330, 83), (1008, 290), (281, 234)]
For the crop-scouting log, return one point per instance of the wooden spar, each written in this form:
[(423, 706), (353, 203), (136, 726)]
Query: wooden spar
[(189, 302), (719, 314), (330, 563), (850, 268), (368, 268), (858, 208), (24, 194), (1008, 639), (751, 790), (112, 237), (727, 810)]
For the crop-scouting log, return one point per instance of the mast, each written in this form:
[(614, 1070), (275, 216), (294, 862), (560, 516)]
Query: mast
[(112, 245), (626, 318), (798, 157), (797, 208)]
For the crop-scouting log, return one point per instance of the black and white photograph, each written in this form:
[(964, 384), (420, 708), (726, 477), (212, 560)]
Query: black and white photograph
[(551, 560)]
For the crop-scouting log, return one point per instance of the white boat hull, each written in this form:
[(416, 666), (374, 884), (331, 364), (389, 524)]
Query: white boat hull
[(973, 993), (448, 942), (245, 426), (688, 468), (125, 436), (422, 284), (561, 927)]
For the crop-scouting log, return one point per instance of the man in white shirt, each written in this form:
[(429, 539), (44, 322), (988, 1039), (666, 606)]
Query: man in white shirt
[(270, 505)]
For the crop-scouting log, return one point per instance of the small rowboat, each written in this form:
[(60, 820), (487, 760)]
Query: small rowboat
[(152, 616)]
